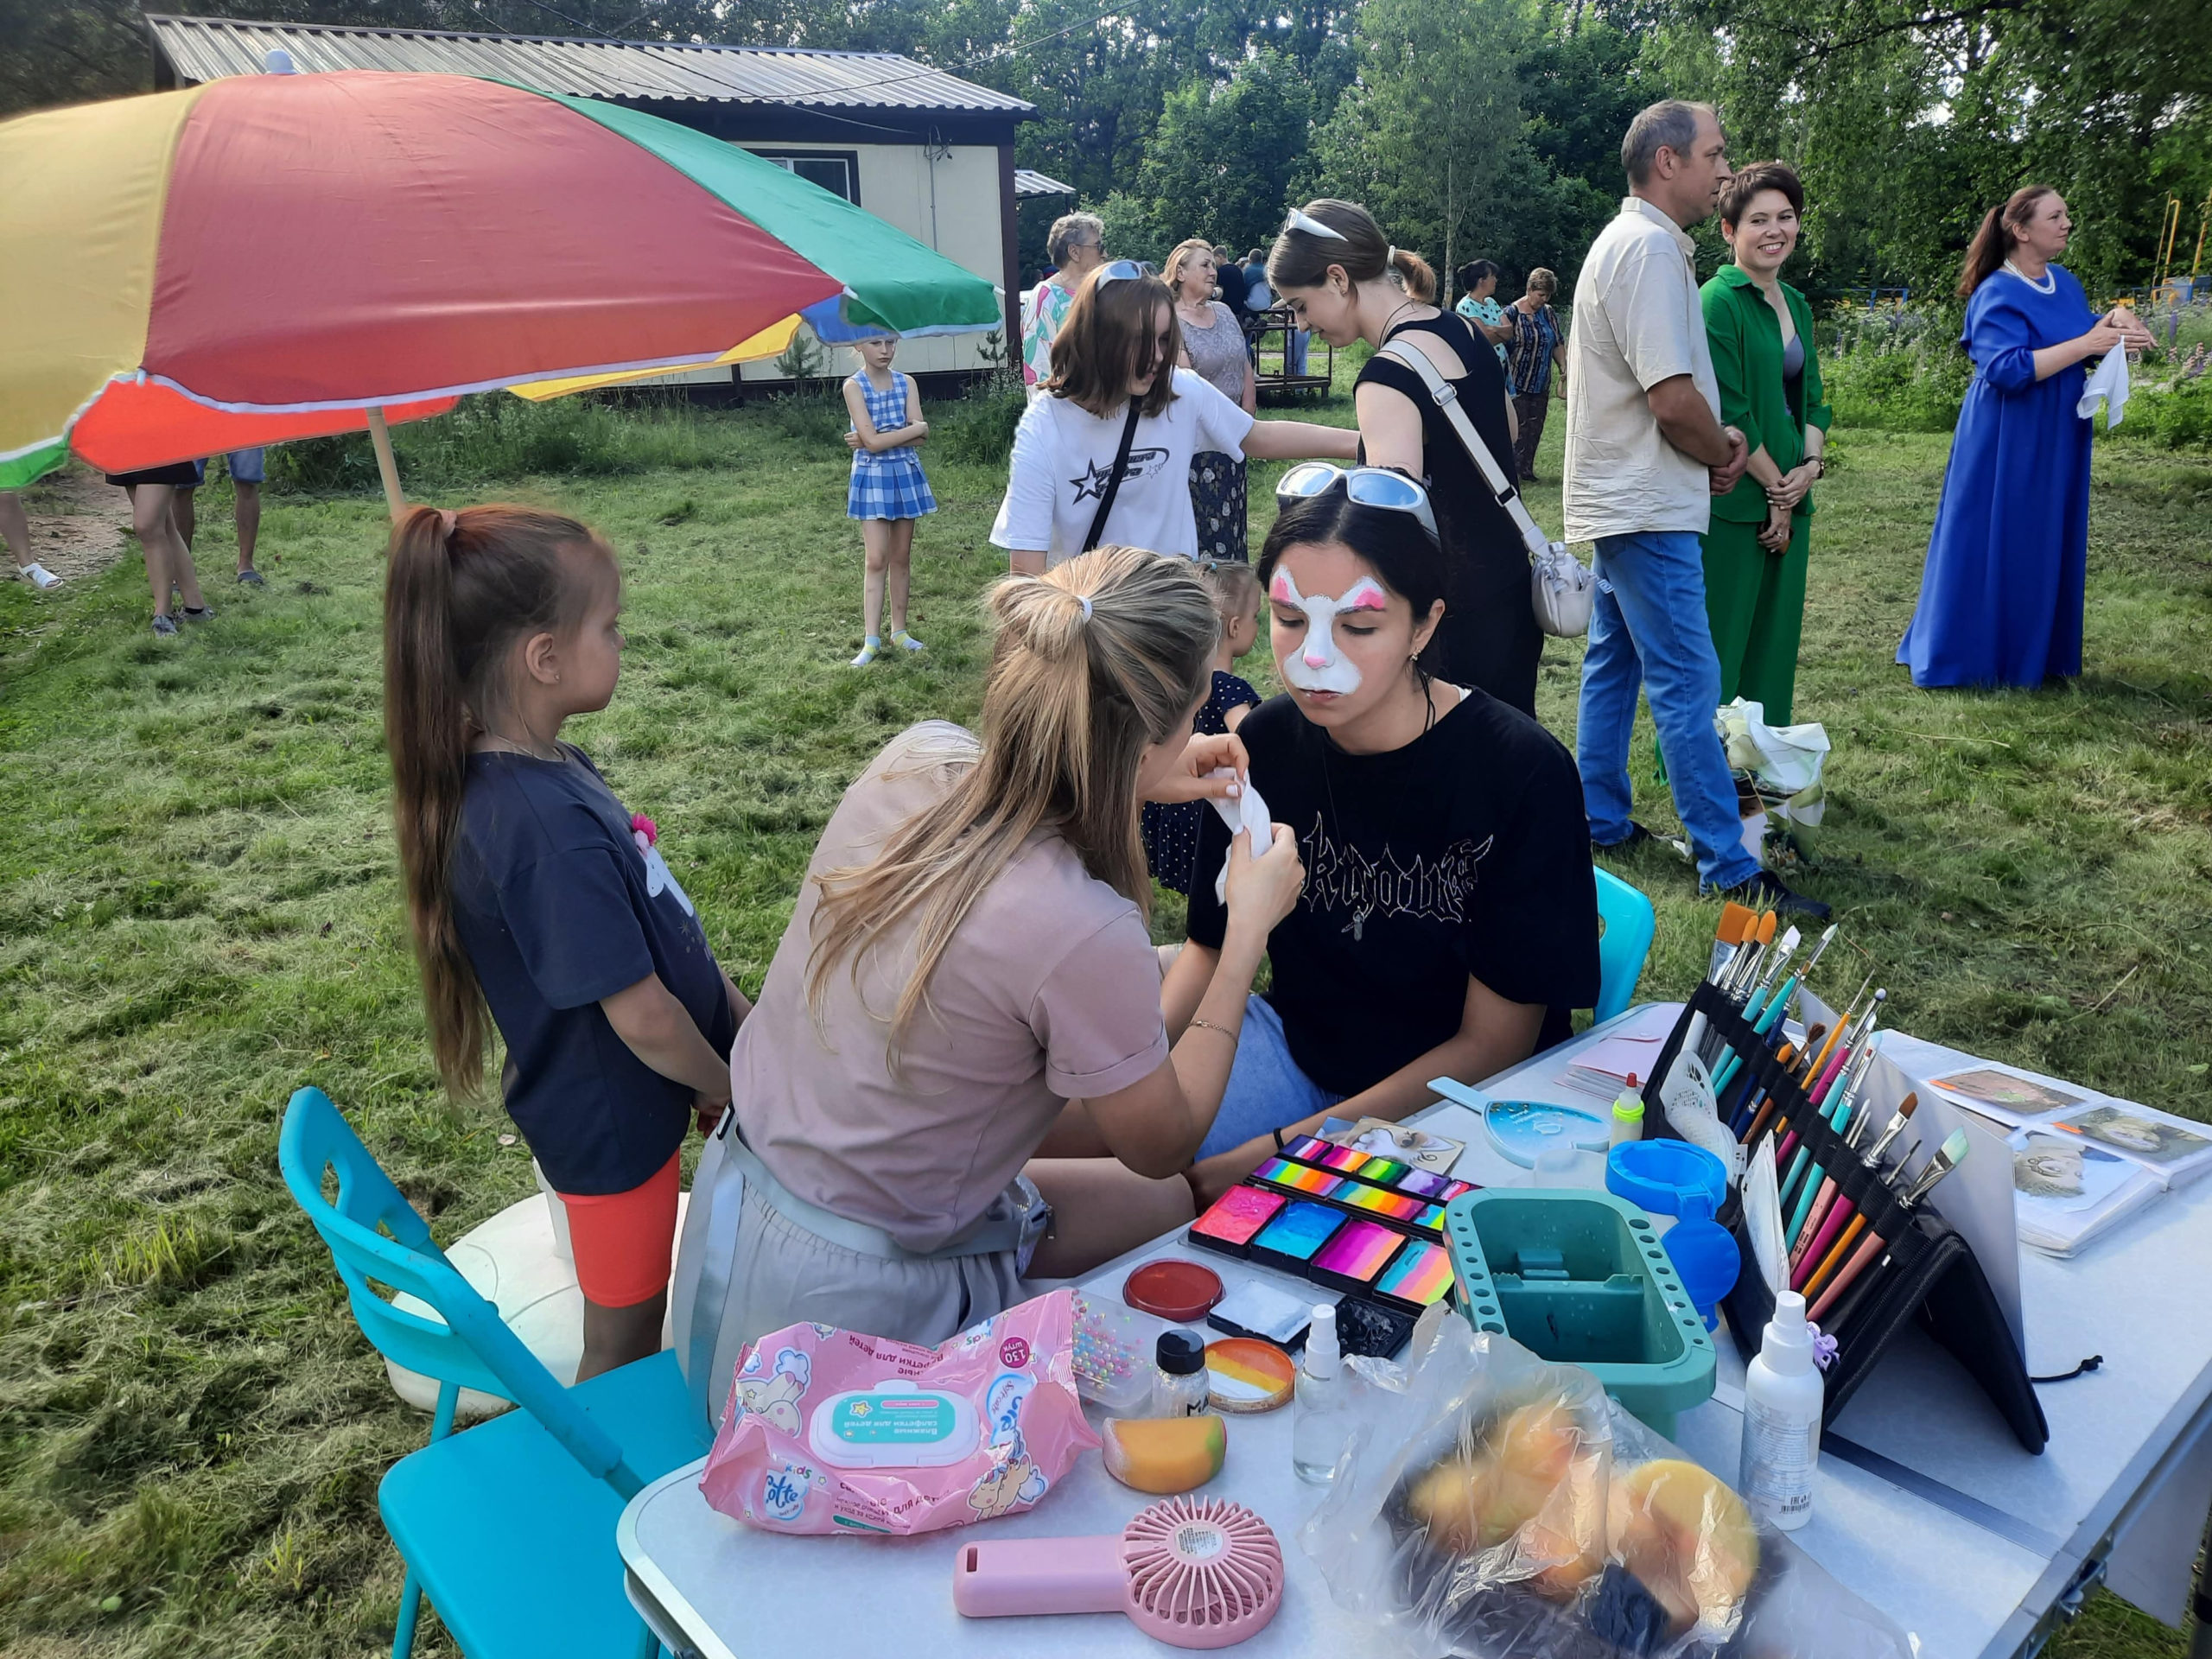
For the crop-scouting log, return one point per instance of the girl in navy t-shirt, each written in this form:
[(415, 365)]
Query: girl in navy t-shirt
[(537, 898)]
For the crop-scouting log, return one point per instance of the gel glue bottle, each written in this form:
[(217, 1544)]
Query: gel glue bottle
[(1323, 1422), (1782, 1420)]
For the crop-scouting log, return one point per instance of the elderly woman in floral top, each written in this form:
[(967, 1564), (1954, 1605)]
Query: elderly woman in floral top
[(1077, 244)]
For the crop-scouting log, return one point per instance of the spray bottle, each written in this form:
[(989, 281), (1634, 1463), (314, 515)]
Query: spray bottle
[(1782, 1420), (1323, 1424)]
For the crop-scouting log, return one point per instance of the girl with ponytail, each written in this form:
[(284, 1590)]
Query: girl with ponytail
[(968, 982), (539, 904), (1334, 267)]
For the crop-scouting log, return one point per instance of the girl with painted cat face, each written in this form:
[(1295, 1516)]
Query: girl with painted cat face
[(1449, 919)]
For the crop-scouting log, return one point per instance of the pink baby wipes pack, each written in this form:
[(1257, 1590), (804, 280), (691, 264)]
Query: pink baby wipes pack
[(832, 1431)]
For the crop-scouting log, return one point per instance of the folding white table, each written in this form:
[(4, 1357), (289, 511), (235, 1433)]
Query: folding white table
[(1932, 1511)]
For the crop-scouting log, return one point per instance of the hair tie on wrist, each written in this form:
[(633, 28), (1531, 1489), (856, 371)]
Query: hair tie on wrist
[(1084, 600)]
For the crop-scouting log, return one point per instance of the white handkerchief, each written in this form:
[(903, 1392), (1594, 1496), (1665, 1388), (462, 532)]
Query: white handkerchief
[(2110, 384), (1247, 812)]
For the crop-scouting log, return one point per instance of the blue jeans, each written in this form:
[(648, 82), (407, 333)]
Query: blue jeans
[(1266, 1088), (1648, 628)]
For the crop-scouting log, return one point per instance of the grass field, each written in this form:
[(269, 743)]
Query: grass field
[(198, 914)]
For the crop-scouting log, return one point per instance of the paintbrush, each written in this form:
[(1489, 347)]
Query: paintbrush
[(1819, 1059), (1814, 1215), (1859, 1055), (1738, 923), (1947, 1158), (1737, 981), (1758, 1010), (1788, 1058), (1809, 1279)]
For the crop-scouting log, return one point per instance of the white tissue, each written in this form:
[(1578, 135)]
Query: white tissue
[(1686, 1099), (2109, 383), (1247, 812)]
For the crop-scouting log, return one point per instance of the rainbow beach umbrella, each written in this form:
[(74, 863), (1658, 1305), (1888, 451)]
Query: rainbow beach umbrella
[(290, 255)]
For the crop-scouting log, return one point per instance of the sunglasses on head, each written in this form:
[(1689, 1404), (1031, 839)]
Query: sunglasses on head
[(1368, 486), (1120, 270)]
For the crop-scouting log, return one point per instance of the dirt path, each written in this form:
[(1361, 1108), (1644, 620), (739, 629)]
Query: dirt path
[(78, 521)]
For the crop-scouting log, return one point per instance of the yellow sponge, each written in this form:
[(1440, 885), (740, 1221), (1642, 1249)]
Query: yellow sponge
[(1165, 1454)]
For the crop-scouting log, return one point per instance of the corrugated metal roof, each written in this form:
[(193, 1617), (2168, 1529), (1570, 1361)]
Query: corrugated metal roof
[(1028, 182), (210, 48)]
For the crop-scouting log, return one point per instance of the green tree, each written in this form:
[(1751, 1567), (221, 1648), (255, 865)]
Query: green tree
[(1222, 160), (1425, 135)]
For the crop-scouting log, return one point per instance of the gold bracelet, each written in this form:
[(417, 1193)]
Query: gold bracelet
[(1208, 1025)]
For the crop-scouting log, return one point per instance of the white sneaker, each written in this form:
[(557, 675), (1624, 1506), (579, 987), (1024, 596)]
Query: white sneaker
[(39, 577)]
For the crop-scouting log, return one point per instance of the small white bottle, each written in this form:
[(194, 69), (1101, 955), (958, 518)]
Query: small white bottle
[(1782, 1420), (1323, 1422), (1179, 1385), (1628, 1114)]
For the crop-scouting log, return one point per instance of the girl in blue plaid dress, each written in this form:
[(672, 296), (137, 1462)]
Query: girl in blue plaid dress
[(889, 492)]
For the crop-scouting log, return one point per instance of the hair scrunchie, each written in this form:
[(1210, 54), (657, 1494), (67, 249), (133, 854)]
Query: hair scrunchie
[(1084, 600)]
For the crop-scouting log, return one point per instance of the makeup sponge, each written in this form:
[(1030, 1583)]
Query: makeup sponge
[(1471, 1503), (1165, 1454), (1686, 1538)]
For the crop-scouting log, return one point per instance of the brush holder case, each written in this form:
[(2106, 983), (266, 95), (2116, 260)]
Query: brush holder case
[(1928, 1274)]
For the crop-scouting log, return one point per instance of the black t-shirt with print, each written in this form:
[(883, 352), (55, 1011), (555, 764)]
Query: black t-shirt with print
[(557, 906), (1464, 853)]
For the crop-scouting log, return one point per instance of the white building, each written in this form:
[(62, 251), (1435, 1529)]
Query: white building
[(923, 150)]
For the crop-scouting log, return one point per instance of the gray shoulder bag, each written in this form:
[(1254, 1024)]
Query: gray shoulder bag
[(1561, 589)]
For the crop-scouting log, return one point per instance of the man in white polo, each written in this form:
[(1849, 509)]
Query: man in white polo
[(1646, 453)]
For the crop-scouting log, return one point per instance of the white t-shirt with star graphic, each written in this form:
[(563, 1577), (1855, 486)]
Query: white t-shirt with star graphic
[(1063, 455)]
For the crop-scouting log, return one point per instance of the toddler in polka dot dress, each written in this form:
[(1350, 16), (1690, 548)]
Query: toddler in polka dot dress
[(1171, 833)]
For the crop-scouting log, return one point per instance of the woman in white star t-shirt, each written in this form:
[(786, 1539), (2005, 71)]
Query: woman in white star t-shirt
[(1119, 343)]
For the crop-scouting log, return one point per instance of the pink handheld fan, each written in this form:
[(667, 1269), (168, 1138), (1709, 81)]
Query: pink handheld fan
[(1195, 1572)]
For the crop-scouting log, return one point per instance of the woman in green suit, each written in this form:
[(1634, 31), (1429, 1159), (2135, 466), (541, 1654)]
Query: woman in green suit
[(1761, 335)]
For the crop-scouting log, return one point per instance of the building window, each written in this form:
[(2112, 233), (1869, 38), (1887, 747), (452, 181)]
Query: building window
[(837, 171)]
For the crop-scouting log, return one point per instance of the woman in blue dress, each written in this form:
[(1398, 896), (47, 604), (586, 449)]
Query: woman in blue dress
[(2000, 599)]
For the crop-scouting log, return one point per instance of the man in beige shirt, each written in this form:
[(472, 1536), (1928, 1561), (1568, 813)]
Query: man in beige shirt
[(1645, 455)]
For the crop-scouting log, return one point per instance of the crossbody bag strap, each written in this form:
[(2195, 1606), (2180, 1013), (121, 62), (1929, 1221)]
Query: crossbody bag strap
[(1446, 396), (1114, 481)]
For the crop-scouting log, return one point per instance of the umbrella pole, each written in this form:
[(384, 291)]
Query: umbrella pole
[(387, 464)]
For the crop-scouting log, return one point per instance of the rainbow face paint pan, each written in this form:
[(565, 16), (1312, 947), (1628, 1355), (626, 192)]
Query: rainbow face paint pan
[(1235, 1219), (1384, 1172), (1357, 1253), (1377, 1201), (1293, 1238), (1342, 1158), (1422, 1275), (1297, 1178), (1427, 1183), (1308, 1149)]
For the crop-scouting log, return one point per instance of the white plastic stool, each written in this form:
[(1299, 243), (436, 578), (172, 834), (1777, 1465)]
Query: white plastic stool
[(519, 1260)]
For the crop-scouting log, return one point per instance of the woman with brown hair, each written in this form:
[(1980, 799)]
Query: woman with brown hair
[(1214, 349), (1104, 455), (1341, 277), (968, 978), (2002, 597)]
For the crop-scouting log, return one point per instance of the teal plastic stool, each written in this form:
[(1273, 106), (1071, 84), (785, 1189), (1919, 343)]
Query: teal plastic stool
[(1626, 940), (1580, 1278), (508, 1526)]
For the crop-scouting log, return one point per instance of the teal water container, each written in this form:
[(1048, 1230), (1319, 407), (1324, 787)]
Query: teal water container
[(1581, 1278)]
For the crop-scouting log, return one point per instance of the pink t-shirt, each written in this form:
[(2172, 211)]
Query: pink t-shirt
[(1048, 991)]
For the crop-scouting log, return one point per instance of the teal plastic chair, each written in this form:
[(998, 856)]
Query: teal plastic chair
[(1628, 925), (509, 1526)]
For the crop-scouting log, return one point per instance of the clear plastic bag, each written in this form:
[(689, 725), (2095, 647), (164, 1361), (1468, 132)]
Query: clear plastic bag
[(1494, 1505)]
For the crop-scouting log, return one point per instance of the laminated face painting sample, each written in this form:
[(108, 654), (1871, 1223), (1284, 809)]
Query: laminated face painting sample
[(1319, 665)]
